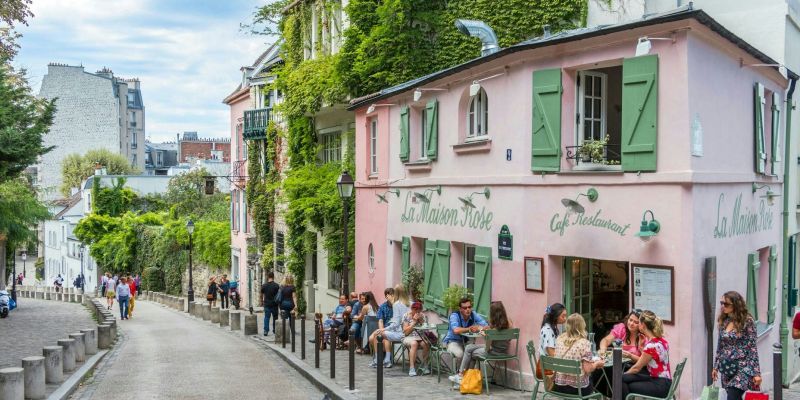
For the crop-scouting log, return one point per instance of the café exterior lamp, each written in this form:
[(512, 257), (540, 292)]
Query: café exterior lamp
[(648, 228), (769, 195), (425, 195), (345, 185), (371, 108), (574, 206), (418, 92), (382, 197), (476, 84), (467, 201)]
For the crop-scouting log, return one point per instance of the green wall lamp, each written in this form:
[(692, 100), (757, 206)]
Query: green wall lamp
[(382, 197), (425, 195), (574, 206), (467, 201), (769, 195), (648, 229)]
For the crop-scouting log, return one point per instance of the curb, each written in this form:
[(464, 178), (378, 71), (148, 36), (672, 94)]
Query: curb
[(70, 385)]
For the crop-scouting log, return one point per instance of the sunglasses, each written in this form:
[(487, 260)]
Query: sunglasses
[(466, 308), (636, 311), (725, 304)]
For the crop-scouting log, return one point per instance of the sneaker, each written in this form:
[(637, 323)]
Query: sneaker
[(455, 379), (424, 371), (266, 333), (373, 364), (412, 372), (387, 364)]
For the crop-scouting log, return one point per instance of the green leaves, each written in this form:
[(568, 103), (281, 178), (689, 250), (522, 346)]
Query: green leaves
[(76, 167), (19, 211)]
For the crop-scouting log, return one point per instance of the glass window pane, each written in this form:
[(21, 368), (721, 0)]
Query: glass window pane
[(584, 304), (597, 112), (584, 267), (596, 135), (587, 130), (471, 253), (598, 87), (576, 286), (587, 86), (587, 107)]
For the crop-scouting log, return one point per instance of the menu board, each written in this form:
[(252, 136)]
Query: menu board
[(653, 290)]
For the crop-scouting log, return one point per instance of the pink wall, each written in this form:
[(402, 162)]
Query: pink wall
[(239, 238)]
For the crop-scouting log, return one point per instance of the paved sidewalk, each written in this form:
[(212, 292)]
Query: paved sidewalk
[(36, 324)]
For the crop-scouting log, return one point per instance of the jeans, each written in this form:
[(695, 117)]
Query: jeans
[(123, 307), (270, 311), (223, 300), (643, 383), (287, 316), (470, 352), (357, 327)]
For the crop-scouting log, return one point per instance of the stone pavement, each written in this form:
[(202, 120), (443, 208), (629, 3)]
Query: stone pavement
[(36, 324), (165, 354)]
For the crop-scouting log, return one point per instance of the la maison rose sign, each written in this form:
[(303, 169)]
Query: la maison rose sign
[(439, 214)]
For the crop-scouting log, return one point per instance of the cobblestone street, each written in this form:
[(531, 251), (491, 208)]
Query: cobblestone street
[(36, 324)]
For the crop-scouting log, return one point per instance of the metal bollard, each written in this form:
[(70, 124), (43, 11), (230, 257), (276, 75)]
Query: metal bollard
[(316, 343), (283, 331), (616, 384), (303, 338), (291, 328), (379, 361), (777, 371), (352, 362), (333, 352)]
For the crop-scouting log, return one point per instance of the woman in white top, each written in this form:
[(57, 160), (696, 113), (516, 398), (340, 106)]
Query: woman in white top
[(554, 316), (393, 332)]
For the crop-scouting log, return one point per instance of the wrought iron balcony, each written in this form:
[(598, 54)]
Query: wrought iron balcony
[(239, 173), (593, 155), (255, 123)]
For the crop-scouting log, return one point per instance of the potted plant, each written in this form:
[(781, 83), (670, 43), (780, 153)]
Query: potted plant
[(413, 279), (452, 295), (593, 151)]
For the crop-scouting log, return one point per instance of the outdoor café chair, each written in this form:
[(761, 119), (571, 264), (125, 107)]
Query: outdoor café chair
[(676, 379), (484, 359), (569, 367), (532, 358), (440, 349)]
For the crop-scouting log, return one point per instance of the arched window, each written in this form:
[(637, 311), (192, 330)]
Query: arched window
[(478, 115), (371, 260)]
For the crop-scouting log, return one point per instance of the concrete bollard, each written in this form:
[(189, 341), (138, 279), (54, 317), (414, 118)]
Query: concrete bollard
[(279, 330), (206, 312), (34, 377), (193, 309), (53, 364), (250, 325), (80, 346), (69, 353), (113, 324), (12, 383), (224, 318), (90, 340), (235, 320), (103, 336), (215, 315), (47, 295), (79, 298), (40, 295)]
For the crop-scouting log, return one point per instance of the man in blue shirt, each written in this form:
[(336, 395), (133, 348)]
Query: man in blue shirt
[(462, 321), (336, 319)]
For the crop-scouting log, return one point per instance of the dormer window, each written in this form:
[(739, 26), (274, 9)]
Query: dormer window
[(478, 116)]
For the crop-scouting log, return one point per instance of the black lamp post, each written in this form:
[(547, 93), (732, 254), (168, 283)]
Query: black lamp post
[(190, 229), (14, 278), (24, 269), (82, 249), (345, 185)]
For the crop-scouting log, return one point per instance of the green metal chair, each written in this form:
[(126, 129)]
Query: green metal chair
[(532, 358), (676, 379), (440, 349), (568, 367), (484, 359)]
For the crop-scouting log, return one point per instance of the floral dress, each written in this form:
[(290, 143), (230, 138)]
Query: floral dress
[(741, 347)]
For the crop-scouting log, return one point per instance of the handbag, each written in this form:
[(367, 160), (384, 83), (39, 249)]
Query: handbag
[(209, 297), (710, 393), (471, 382), (279, 296), (756, 395)]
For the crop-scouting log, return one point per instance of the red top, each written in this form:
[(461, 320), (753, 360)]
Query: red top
[(658, 349), (796, 321), (132, 285)]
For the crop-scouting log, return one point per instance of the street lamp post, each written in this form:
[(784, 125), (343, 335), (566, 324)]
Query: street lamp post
[(14, 279), (345, 185), (24, 257), (82, 249), (190, 229)]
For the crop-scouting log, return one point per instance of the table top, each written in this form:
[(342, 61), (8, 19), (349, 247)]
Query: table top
[(610, 361), (425, 327), (472, 335)]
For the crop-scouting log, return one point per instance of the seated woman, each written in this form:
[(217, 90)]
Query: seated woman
[(627, 333), (394, 331), (369, 308), (497, 320), (574, 345), (413, 340), (656, 379)]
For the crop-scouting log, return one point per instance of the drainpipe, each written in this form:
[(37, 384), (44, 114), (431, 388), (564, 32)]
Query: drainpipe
[(482, 31), (784, 329)]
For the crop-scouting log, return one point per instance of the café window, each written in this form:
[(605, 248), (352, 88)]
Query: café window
[(331, 147)]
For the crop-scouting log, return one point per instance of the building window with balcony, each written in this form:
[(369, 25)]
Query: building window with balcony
[(279, 251), (599, 122), (373, 146), (331, 147), (478, 116)]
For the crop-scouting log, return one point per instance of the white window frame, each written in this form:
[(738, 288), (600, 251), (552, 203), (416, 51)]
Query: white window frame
[(583, 77), (371, 257), (467, 262), (331, 143), (478, 116), (373, 146), (423, 134)]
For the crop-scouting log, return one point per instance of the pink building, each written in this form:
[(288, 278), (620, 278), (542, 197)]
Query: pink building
[(534, 175)]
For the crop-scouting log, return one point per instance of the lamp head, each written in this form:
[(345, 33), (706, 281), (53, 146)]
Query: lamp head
[(474, 88), (345, 185), (381, 198), (643, 46), (417, 95), (190, 227), (421, 197), (648, 229), (467, 201), (371, 109), (573, 206)]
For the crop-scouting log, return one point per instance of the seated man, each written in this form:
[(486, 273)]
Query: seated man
[(356, 316), (462, 321), (336, 318)]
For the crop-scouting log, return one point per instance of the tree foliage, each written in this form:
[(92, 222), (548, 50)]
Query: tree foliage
[(11, 13), (186, 193), (75, 168), (19, 211), (113, 201)]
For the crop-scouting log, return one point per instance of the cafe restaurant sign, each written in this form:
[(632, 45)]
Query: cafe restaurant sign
[(438, 214), (559, 223), (739, 221)]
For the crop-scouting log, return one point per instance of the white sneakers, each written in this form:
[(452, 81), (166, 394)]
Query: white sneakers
[(455, 379), (412, 372)]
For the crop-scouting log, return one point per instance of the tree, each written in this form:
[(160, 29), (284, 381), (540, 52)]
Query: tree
[(113, 201), (24, 119), (186, 193), (19, 210), (75, 167), (11, 12)]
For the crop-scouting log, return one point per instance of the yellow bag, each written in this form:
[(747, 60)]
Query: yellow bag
[(471, 382)]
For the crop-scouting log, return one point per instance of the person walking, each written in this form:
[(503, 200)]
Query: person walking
[(138, 281), (268, 292), (736, 360), (224, 287), (111, 286), (132, 301), (211, 295), (123, 295), (288, 303), (58, 283)]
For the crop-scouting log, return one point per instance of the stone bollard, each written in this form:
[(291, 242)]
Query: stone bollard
[(53, 364), (40, 295), (104, 336), (279, 330), (224, 318), (215, 315), (90, 340), (78, 298), (250, 325), (193, 307), (113, 324), (206, 312), (69, 353), (12, 383), (80, 346), (34, 377), (47, 295), (235, 320)]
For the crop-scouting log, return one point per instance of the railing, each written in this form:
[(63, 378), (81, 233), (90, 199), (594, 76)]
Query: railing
[(239, 173), (255, 123), (608, 156)]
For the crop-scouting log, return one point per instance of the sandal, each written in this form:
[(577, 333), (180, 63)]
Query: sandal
[(359, 351)]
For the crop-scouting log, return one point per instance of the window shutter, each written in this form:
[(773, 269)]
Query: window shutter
[(443, 272), (776, 133), (432, 110), (406, 261), (771, 308), (404, 125), (546, 137), (639, 113), (429, 294), (483, 280), (761, 151), (753, 264)]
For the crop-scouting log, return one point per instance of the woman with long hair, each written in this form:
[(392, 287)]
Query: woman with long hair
[(288, 303), (369, 308), (574, 345), (628, 334), (656, 379), (736, 361), (498, 319), (394, 332), (211, 296), (554, 315)]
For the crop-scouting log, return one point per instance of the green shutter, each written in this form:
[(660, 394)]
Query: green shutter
[(430, 282), (771, 307), (776, 133), (404, 126), (406, 261), (753, 264), (546, 137), (483, 280), (432, 110), (442, 270), (639, 113), (760, 150)]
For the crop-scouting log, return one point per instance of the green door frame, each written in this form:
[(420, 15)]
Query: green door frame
[(584, 287)]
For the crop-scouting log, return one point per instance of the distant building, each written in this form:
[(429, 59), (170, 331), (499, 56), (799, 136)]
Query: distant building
[(93, 111), (159, 157), (192, 148)]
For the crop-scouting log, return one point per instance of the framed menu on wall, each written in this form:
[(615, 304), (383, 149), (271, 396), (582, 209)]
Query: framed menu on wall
[(654, 290), (534, 274)]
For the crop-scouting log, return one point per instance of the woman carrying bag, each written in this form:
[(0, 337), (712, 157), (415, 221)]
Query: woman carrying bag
[(736, 361)]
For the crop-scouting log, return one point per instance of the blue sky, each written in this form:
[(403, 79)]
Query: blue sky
[(187, 54)]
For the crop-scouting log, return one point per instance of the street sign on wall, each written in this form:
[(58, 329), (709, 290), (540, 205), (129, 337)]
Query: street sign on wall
[(505, 244)]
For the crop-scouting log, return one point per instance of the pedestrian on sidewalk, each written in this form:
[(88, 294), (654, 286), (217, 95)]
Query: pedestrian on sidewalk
[(132, 285), (58, 283), (123, 295), (736, 361), (111, 285), (224, 288), (288, 300), (211, 295), (138, 280), (268, 292)]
